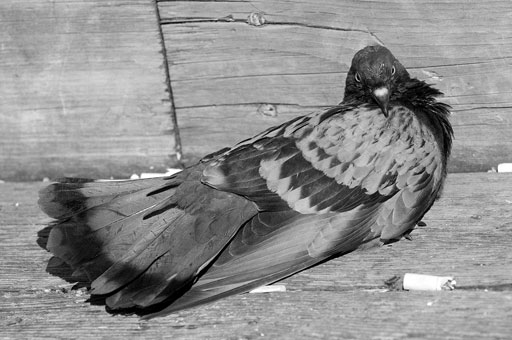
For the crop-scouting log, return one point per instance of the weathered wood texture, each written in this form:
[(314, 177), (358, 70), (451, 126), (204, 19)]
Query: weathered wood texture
[(468, 235), (223, 69), (82, 89)]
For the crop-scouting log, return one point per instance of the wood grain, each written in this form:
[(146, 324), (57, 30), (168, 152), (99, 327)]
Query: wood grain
[(83, 89), (467, 235), (220, 65)]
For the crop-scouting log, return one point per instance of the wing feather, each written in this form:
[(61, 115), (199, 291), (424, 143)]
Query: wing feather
[(263, 252)]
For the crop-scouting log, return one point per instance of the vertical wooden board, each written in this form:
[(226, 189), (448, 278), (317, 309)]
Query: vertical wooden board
[(299, 57), (83, 89)]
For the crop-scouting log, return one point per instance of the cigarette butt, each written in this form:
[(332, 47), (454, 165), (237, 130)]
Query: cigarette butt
[(269, 289), (505, 167), (428, 282)]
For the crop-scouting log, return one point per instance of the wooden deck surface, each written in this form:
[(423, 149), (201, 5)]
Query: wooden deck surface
[(468, 235)]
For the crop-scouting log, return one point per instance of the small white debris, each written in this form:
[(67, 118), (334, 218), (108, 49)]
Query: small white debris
[(428, 282), (172, 171), (179, 155), (159, 174), (169, 172), (433, 75), (505, 167), (269, 289)]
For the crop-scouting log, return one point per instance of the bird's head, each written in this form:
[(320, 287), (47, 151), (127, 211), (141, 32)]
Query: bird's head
[(373, 76)]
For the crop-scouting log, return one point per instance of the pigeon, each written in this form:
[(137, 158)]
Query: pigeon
[(360, 174)]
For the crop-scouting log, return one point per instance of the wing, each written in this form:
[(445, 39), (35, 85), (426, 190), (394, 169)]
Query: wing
[(325, 185), (335, 161)]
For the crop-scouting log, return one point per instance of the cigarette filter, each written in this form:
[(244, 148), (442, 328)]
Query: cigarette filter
[(428, 282)]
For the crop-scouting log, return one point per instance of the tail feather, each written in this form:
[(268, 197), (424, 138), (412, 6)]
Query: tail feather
[(96, 219), (139, 242), (139, 256), (70, 196)]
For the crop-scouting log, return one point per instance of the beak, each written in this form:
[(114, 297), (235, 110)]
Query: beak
[(381, 96)]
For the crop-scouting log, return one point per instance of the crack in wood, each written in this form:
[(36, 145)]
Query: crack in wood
[(231, 19), (174, 118), (248, 76), (193, 20), (487, 61), (482, 108), (227, 1), (312, 107)]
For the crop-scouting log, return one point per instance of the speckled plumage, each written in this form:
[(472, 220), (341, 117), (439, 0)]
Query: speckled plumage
[(359, 174)]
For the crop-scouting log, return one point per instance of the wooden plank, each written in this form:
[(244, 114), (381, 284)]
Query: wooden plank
[(298, 61), (83, 89), (467, 235)]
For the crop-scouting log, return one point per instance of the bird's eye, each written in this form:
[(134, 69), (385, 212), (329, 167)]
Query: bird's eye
[(393, 70), (357, 77)]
